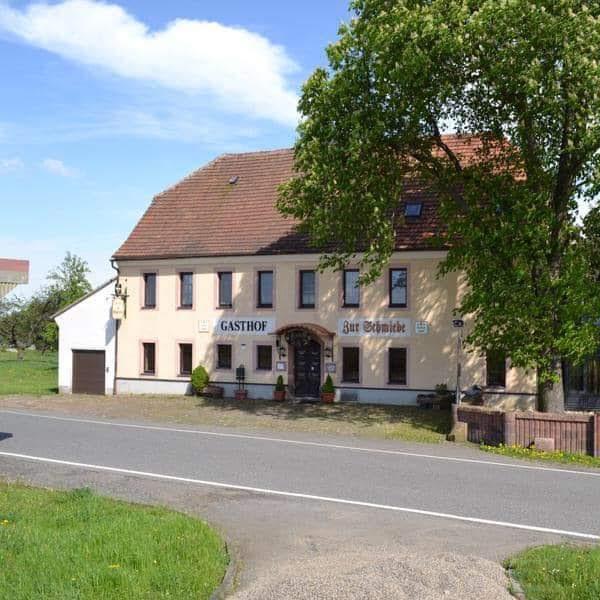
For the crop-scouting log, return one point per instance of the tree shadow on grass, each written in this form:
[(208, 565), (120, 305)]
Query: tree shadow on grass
[(361, 415)]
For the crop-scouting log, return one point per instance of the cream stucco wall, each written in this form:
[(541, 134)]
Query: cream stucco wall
[(431, 357)]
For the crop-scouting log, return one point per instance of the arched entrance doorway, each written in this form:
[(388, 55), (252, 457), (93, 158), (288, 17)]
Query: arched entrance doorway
[(306, 344)]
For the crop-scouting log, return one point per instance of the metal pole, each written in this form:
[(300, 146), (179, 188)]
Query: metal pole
[(458, 365)]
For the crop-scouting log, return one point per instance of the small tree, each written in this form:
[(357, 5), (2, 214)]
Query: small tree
[(200, 379)]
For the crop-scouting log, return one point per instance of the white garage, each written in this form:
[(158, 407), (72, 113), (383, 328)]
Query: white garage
[(86, 344)]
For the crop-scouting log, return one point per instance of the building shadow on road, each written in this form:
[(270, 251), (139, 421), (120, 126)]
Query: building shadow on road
[(357, 415)]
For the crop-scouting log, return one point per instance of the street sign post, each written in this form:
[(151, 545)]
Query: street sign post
[(458, 324)]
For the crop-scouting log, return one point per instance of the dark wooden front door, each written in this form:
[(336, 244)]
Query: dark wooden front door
[(307, 369), (88, 372)]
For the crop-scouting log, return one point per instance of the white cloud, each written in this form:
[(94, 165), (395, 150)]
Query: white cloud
[(10, 165), (243, 71), (58, 167)]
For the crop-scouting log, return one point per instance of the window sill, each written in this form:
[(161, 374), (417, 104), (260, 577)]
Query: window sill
[(147, 374), (228, 307), (349, 382), (397, 384), (312, 307), (185, 308), (398, 306), (350, 306), (149, 307)]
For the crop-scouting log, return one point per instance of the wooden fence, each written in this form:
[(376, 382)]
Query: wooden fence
[(577, 433)]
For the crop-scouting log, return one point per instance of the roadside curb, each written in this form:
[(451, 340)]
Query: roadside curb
[(227, 585), (515, 587)]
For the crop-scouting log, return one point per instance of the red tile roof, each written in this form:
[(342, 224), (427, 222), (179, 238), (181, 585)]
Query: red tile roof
[(204, 215)]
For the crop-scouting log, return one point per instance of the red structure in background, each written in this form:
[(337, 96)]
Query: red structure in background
[(12, 273)]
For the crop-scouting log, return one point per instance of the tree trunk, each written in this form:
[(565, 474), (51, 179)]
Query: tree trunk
[(552, 393)]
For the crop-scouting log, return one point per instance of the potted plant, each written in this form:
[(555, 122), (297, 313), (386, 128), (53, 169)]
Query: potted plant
[(201, 384), (328, 391), (279, 393)]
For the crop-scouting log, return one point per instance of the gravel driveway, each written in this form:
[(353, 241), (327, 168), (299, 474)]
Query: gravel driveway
[(399, 574)]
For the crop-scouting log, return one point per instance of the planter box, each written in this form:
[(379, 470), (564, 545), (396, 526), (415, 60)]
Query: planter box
[(327, 397), (279, 396), (213, 391), (241, 394)]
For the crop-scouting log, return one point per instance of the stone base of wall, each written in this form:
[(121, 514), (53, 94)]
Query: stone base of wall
[(66, 389), (149, 386), (504, 401)]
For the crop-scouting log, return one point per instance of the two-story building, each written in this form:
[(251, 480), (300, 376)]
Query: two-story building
[(214, 275)]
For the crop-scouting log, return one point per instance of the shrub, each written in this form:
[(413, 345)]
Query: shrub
[(279, 387), (200, 379), (328, 386)]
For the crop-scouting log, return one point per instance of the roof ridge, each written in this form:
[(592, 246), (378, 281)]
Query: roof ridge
[(253, 152)]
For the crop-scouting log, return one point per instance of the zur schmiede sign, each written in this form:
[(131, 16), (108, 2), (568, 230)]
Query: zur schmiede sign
[(374, 327)]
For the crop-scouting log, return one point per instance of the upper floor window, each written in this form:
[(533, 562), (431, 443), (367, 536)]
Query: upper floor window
[(495, 369), (351, 287), (186, 290), (398, 287), (265, 289), (149, 358), (225, 289), (149, 290), (397, 366), (185, 359), (307, 289)]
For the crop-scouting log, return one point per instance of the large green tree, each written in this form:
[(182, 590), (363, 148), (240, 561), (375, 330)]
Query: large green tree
[(524, 76)]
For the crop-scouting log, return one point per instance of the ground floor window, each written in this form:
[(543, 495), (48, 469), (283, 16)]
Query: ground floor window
[(224, 356), (397, 366), (350, 365), (264, 358), (185, 359), (495, 369), (584, 378), (149, 349)]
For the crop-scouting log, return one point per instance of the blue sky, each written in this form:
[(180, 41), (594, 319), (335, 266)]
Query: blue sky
[(104, 104)]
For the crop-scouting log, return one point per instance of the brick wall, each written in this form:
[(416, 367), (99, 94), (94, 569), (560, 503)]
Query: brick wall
[(577, 433)]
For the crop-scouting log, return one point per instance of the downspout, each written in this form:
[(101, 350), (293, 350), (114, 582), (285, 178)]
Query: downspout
[(117, 325)]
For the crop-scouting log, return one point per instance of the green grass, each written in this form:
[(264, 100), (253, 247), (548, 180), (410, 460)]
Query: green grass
[(558, 572), (566, 458), (77, 545), (36, 374)]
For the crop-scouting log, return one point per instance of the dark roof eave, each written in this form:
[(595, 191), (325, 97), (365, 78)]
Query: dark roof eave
[(179, 256)]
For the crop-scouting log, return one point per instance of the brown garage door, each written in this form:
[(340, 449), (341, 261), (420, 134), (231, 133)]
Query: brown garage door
[(88, 372)]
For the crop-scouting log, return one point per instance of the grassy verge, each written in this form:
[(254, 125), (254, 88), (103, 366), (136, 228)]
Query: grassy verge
[(566, 458), (36, 374), (558, 572), (381, 422), (73, 545)]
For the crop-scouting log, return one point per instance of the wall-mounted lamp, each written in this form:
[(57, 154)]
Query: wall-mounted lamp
[(281, 352)]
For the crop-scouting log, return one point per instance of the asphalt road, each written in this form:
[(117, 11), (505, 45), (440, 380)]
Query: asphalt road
[(306, 496)]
